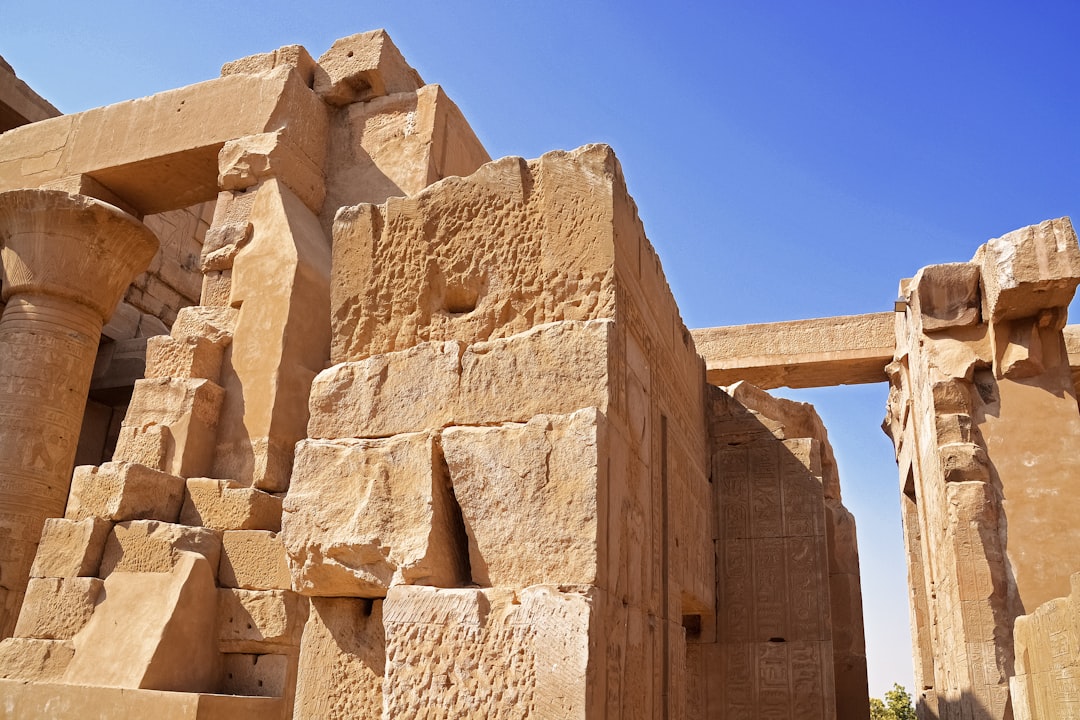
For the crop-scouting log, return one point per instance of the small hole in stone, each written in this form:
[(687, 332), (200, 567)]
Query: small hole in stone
[(349, 54), (776, 639), (460, 299), (692, 623)]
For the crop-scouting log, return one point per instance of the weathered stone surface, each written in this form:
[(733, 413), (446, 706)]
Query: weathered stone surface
[(1047, 643), (361, 67), (407, 391), (498, 653), (34, 660), (800, 353), (57, 608), (342, 660), (255, 674), (504, 228), (528, 496), (70, 548), (120, 491), (226, 505), (258, 621), (244, 162), (362, 515), (947, 296), (188, 408), (434, 385), (253, 560), (193, 357), (167, 642), (215, 324), (148, 546), (1029, 269)]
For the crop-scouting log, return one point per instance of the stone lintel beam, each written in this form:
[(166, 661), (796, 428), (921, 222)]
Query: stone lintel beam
[(844, 350), (161, 152), (66, 261)]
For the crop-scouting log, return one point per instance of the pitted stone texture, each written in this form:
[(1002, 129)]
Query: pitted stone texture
[(1029, 269), (121, 491), (156, 547), (259, 621), (947, 295), (253, 560), (514, 245), (57, 608), (564, 366), (362, 67), (70, 548), (225, 505), (497, 653), (342, 660), (34, 660), (362, 515), (528, 497)]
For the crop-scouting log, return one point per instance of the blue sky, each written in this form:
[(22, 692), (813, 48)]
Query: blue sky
[(789, 159)]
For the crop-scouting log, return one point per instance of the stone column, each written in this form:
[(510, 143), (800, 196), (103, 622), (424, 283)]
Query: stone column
[(66, 259)]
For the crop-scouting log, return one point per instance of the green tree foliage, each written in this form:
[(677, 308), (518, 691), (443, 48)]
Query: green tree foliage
[(896, 706)]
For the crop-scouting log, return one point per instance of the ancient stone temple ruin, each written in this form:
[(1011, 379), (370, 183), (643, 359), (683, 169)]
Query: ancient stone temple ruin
[(309, 409)]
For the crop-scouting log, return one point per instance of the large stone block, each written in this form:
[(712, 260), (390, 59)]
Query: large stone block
[(515, 245), (497, 654), (259, 621), (215, 324), (261, 675), (192, 357), (70, 548), (34, 660), (225, 505), (362, 515), (167, 643), (947, 296), (407, 391), (121, 491), (57, 608), (1028, 270), (342, 660), (253, 560), (362, 67), (554, 368), (528, 496), (151, 546), (188, 408)]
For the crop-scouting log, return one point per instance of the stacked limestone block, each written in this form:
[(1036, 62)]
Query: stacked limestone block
[(981, 370), (501, 508), (789, 641)]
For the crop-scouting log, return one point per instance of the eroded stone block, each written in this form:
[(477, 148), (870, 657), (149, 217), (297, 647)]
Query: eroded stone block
[(1029, 269), (150, 546), (255, 620), (250, 674), (407, 391), (362, 67), (194, 357), (34, 660), (215, 324), (57, 608), (253, 560), (168, 620), (121, 491), (342, 660), (225, 505), (528, 496), (947, 295), (362, 515), (497, 653), (70, 548)]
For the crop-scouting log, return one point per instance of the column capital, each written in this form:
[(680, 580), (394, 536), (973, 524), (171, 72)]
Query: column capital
[(71, 246)]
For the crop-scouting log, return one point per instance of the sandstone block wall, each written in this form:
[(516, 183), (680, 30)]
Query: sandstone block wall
[(982, 411)]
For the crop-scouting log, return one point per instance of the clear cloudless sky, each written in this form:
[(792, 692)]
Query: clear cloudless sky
[(789, 159)]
